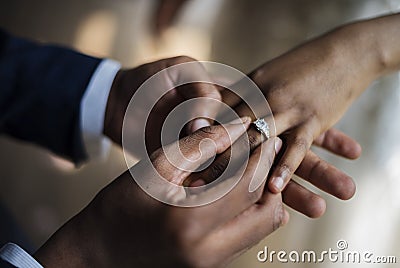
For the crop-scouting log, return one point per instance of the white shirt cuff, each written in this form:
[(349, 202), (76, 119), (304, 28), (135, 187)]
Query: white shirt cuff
[(18, 257), (93, 108)]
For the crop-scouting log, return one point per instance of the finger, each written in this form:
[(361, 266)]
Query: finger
[(298, 143), (245, 230), (230, 98), (260, 176), (206, 106), (339, 143), (169, 166), (283, 121), (326, 177), (181, 158), (250, 141), (286, 121), (304, 201), (196, 83), (240, 198)]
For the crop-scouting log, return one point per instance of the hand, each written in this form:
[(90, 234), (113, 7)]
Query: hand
[(313, 169), (124, 227), (126, 85), (310, 88)]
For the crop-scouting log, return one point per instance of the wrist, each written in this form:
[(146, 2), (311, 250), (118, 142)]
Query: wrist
[(370, 46), (73, 245)]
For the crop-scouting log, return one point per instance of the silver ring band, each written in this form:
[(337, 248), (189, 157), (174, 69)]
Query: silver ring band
[(262, 126)]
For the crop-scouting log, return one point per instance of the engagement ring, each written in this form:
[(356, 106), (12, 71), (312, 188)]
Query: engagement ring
[(262, 126)]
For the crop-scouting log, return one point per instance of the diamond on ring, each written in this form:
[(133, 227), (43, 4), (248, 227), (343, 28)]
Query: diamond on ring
[(262, 126)]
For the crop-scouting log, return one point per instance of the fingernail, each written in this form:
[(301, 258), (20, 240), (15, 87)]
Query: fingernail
[(278, 145), (199, 123), (240, 120), (277, 182)]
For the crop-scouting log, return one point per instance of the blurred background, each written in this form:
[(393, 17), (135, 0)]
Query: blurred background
[(43, 191)]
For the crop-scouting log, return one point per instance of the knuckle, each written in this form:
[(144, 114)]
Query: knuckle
[(210, 132), (286, 168), (210, 136), (257, 74), (301, 143), (189, 148), (319, 168), (278, 90), (183, 59), (215, 133)]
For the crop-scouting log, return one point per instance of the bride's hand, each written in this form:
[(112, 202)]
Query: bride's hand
[(310, 88)]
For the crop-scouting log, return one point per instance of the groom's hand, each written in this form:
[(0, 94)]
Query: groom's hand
[(125, 227), (126, 84)]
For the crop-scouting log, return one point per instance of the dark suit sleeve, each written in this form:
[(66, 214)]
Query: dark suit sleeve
[(4, 264), (41, 88)]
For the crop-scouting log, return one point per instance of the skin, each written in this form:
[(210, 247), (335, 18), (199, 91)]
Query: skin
[(335, 70), (310, 87), (128, 81), (114, 229)]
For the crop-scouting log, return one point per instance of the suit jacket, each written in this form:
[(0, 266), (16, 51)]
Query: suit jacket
[(4, 264), (41, 87)]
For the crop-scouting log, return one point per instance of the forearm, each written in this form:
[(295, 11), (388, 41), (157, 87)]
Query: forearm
[(72, 245), (370, 47), (386, 33)]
